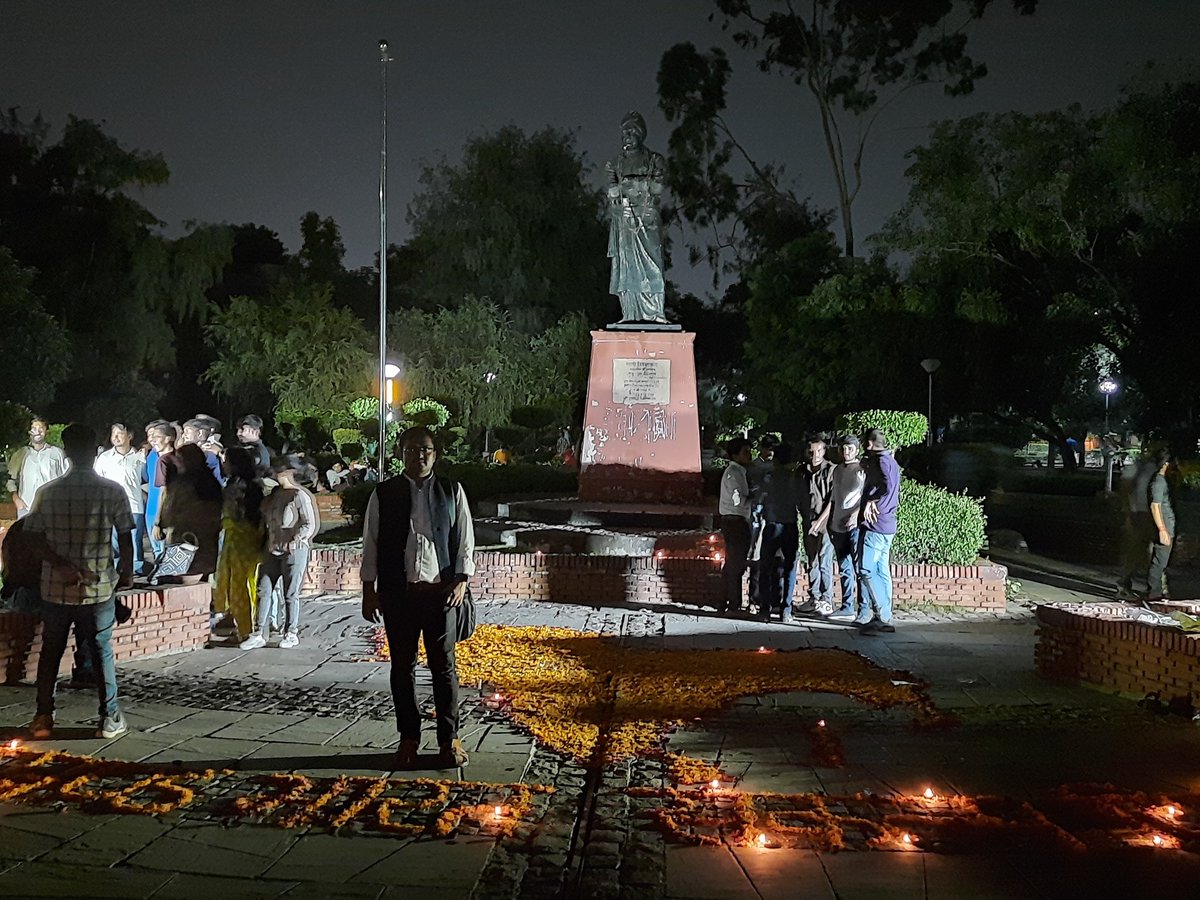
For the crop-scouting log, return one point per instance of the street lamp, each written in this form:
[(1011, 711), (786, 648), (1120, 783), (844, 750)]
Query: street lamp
[(930, 366), (1108, 387), (487, 432)]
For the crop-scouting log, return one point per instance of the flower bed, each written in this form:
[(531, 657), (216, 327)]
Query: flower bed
[(602, 580)]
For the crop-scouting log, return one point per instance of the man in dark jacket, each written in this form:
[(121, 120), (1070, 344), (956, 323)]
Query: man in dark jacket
[(418, 554), (881, 502)]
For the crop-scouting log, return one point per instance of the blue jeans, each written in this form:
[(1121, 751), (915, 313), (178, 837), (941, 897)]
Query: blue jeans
[(784, 538), (875, 571), (139, 535), (93, 628), (845, 550)]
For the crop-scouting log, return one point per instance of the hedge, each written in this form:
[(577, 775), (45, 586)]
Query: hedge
[(902, 429), (937, 527)]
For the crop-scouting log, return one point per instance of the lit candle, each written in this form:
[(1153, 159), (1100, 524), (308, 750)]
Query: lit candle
[(929, 794), (717, 557), (762, 839), (715, 784), (13, 744), (712, 538), (820, 723), (498, 812), (1171, 811), (763, 650), (659, 554), (1158, 840), (906, 838)]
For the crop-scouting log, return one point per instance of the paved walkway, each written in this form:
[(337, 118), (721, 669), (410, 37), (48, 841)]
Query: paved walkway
[(322, 710)]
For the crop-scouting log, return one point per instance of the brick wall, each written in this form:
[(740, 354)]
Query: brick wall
[(616, 579), (329, 507), (167, 620), (1132, 657)]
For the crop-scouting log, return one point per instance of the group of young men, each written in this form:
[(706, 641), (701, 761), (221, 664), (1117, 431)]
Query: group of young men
[(81, 526), (843, 515)]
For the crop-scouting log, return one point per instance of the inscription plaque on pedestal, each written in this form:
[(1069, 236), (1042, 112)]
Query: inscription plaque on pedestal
[(641, 381), (641, 427)]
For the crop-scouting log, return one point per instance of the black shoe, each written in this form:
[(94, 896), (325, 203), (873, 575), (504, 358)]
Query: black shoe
[(764, 613), (886, 627)]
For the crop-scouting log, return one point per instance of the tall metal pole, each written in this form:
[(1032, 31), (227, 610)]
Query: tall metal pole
[(929, 442), (383, 410)]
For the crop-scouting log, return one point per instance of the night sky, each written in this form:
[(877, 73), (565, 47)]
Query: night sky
[(266, 110)]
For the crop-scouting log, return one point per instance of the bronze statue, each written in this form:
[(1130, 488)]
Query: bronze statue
[(634, 239)]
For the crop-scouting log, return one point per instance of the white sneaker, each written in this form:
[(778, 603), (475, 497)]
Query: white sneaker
[(254, 642), (288, 641)]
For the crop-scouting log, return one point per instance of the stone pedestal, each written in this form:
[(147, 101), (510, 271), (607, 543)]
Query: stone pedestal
[(641, 424)]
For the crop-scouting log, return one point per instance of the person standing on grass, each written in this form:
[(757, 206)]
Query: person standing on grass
[(418, 555), (77, 515), (292, 522)]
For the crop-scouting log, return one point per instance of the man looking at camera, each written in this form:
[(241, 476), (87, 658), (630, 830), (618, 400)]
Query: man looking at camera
[(418, 554)]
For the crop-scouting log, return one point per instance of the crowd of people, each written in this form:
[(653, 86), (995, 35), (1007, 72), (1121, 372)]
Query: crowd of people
[(86, 517), (842, 514)]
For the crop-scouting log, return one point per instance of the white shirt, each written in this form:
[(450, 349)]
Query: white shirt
[(335, 478), (735, 492), (420, 554), (37, 468), (129, 471)]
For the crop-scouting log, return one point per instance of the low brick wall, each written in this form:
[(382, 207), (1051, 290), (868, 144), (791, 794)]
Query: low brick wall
[(638, 579), (329, 507), (1132, 657), (167, 620)]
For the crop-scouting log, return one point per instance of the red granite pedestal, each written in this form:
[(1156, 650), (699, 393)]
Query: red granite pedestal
[(641, 424)]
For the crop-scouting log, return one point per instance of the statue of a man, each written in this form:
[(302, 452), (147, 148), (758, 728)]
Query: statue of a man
[(634, 240)]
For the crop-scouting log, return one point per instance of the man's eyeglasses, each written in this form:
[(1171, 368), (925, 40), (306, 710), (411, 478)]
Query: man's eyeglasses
[(423, 451)]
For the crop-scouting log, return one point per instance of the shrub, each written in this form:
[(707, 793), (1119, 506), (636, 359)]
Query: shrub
[(346, 436), (937, 527), (535, 418), (902, 429), (426, 411), (14, 425)]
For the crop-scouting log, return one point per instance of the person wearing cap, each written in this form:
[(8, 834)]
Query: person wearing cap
[(880, 504), (290, 514), (249, 435), (841, 519)]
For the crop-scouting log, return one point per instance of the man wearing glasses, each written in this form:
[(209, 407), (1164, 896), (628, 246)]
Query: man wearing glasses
[(418, 554)]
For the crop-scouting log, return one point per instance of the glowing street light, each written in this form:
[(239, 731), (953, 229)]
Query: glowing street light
[(1108, 387)]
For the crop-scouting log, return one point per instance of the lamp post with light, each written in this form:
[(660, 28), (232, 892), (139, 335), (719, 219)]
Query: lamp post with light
[(930, 366), (384, 59), (1108, 387)]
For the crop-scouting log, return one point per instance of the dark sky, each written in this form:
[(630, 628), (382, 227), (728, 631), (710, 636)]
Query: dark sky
[(266, 110)]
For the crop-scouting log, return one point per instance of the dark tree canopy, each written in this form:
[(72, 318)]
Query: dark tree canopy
[(516, 221), (851, 56)]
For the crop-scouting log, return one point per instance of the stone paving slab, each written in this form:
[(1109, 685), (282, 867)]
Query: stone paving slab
[(791, 875), (329, 858), (703, 873), (452, 864), (172, 854), (74, 881)]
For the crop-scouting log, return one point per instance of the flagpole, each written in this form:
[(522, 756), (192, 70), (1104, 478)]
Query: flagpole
[(383, 410)]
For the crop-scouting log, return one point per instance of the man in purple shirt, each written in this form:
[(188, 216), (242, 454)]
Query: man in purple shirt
[(881, 500)]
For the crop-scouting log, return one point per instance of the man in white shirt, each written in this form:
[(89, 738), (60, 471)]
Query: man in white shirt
[(418, 554), (735, 510), (32, 466), (127, 467)]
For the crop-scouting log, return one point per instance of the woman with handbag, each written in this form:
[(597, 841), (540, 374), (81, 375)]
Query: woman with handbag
[(191, 510), (244, 536)]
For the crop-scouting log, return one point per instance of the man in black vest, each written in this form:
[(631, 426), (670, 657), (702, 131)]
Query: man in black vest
[(418, 554)]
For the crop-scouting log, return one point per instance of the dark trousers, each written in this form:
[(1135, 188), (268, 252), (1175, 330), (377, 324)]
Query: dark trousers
[(776, 586), (93, 629), (422, 614), (1160, 554), (736, 532)]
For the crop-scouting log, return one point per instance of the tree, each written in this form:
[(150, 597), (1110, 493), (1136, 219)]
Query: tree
[(1056, 246), (35, 353), (312, 358), (516, 221), (473, 358), (852, 56), (103, 271)]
